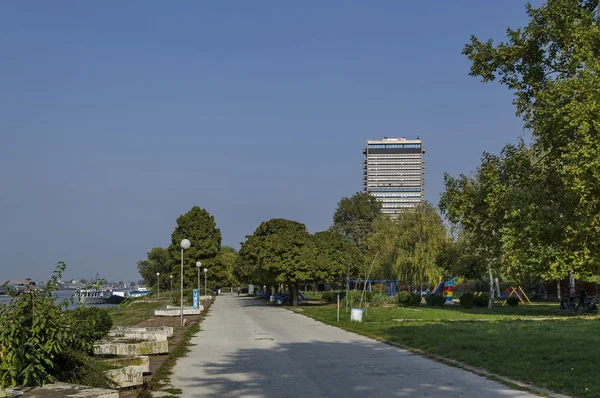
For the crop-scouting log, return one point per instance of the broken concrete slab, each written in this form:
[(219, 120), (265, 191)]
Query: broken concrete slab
[(168, 330), (126, 348), (142, 361), (176, 311), (61, 390)]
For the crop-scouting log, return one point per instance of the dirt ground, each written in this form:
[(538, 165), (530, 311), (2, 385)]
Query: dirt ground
[(157, 360)]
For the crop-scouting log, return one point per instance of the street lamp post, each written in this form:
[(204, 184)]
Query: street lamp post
[(205, 271), (171, 295), (158, 283), (185, 244), (199, 264)]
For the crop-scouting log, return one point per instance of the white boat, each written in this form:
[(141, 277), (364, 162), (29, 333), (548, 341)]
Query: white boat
[(86, 296), (141, 291)]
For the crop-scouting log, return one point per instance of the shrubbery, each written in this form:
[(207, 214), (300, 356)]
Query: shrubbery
[(467, 300), (331, 297), (406, 299), (435, 300), (482, 300), (89, 324), (512, 301), (40, 343)]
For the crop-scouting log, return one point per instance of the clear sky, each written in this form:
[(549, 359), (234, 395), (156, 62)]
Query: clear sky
[(116, 117)]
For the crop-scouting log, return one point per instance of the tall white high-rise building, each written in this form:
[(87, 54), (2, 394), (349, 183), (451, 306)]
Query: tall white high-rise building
[(394, 173)]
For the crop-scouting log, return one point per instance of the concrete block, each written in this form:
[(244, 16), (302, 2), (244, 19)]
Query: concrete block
[(132, 372), (139, 336), (142, 361), (176, 311), (168, 330), (61, 390), (125, 348)]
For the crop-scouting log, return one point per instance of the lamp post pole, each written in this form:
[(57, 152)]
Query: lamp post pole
[(185, 244), (198, 265), (158, 283), (205, 272), (171, 295)]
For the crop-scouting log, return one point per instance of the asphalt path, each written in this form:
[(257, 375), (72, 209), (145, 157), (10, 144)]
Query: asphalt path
[(249, 349)]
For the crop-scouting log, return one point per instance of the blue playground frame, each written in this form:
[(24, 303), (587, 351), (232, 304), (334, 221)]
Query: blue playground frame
[(391, 286)]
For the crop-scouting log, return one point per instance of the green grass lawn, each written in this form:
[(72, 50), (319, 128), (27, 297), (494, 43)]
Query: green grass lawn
[(558, 354), (134, 312)]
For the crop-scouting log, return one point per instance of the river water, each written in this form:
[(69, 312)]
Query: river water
[(62, 296)]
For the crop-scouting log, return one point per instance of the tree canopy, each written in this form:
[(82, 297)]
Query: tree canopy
[(158, 260), (354, 218), (200, 228), (552, 67)]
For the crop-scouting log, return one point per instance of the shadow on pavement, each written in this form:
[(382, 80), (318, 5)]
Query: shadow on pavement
[(333, 369)]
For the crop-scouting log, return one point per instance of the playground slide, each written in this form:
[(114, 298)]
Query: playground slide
[(438, 288)]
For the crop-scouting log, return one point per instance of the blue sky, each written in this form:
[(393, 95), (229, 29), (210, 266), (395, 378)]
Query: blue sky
[(117, 117)]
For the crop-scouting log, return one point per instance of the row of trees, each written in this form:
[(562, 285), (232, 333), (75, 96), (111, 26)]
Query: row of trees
[(361, 244), (532, 211), (200, 228)]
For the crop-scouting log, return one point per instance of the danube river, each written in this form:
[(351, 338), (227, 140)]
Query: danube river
[(62, 296)]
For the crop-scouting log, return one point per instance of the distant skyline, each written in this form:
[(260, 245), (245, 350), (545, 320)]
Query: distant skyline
[(117, 117)]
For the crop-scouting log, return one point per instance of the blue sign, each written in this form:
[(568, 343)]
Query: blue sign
[(196, 302)]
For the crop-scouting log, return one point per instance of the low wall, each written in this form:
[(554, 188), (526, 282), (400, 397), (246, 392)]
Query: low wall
[(124, 348), (168, 330), (61, 390), (176, 311)]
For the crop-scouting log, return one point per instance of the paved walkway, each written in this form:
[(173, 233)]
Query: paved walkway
[(250, 350)]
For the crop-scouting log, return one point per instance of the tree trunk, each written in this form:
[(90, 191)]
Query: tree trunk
[(295, 294), (571, 284), (491, 298), (497, 287), (558, 289)]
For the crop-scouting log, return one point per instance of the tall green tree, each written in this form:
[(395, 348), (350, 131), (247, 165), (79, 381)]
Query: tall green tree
[(222, 267), (336, 257), (158, 260), (279, 252), (552, 67), (420, 239), (354, 218), (200, 228)]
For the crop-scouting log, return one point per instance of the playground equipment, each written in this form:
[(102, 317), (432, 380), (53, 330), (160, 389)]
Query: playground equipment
[(446, 288), (518, 292), (391, 286)]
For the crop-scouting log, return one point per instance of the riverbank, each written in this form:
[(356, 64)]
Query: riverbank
[(140, 312)]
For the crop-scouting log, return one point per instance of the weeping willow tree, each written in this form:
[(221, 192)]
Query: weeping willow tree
[(420, 237)]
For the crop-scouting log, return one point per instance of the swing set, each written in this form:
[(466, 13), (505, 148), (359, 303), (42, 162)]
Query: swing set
[(518, 292)]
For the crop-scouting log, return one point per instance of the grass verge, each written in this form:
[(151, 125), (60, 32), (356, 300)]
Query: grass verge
[(133, 312), (532, 344)]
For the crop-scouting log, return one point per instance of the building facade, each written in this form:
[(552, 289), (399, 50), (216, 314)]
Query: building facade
[(394, 173)]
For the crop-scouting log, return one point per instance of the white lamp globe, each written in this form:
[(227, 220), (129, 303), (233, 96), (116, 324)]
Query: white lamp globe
[(185, 244), (158, 273), (205, 269), (198, 264)]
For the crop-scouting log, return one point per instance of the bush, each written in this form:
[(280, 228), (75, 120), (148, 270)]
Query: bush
[(409, 299), (378, 300), (512, 301), (482, 300), (435, 300), (468, 300), (331, 297)]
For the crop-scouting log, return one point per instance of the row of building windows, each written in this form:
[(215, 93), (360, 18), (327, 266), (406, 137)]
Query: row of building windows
[(394, 202), (379, 146), (399, 167), (396, 195), (396, 156), (395, 178), (395, 189), (396, 173)]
